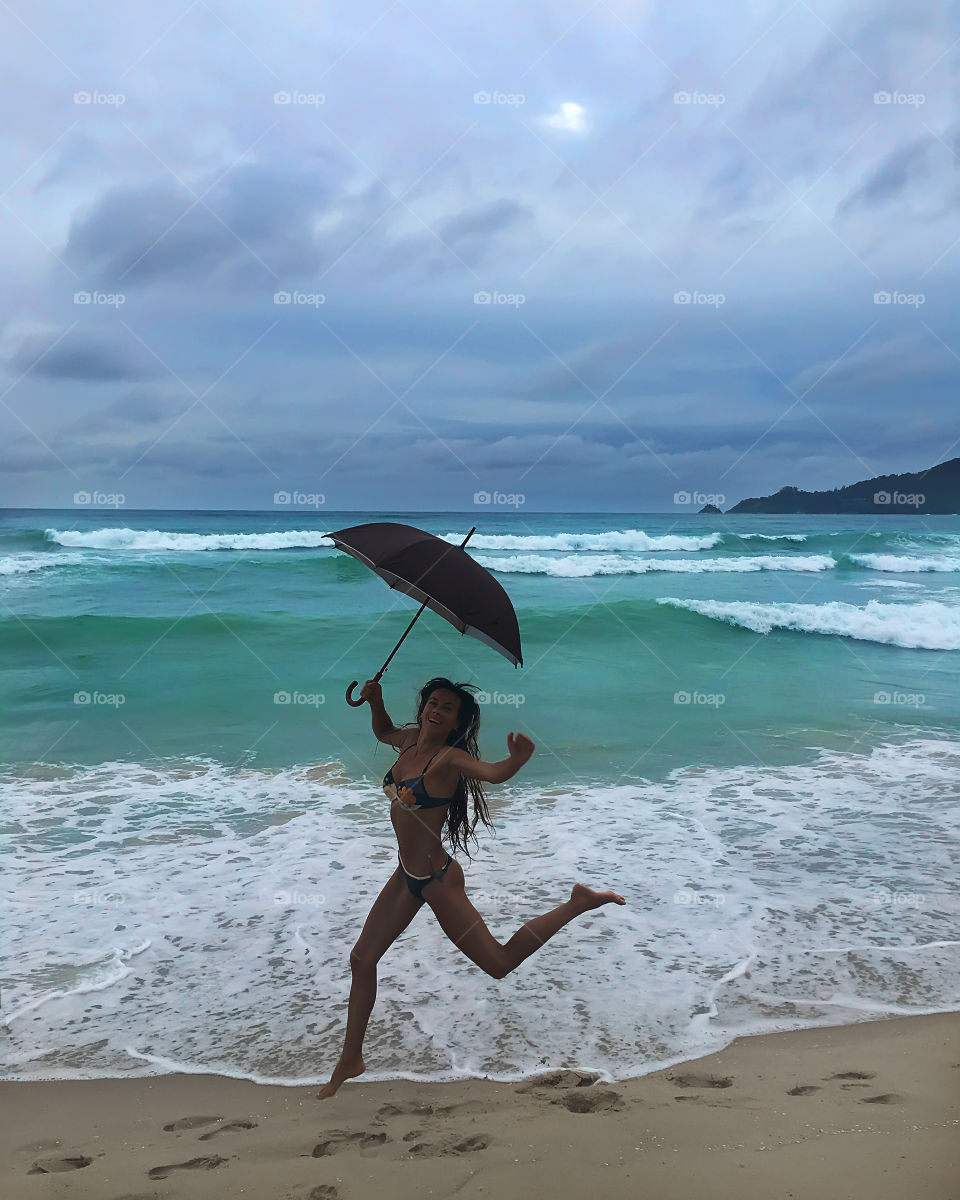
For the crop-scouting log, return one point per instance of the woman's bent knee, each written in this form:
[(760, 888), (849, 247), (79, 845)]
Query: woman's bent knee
[(360, 962)]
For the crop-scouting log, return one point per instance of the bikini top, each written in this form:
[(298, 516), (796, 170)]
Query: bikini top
[(391, 788)]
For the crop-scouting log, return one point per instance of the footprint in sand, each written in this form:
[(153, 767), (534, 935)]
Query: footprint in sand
[(57, 1163), (886, 1098), (403, 1109), (479, 1141), (559, 1079), (341, 1140), (206, 1163), (190, 1123), (589, 1102), (804, 1089), (852, 1075), (230, 1127), (325, 1191), (701, 1081)]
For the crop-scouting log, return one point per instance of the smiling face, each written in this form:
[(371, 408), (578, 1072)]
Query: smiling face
[(441, 712)]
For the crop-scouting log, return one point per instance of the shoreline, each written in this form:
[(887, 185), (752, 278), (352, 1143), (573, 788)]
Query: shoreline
[(868, 1109)]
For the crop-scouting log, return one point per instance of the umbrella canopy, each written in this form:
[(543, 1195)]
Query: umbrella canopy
[(441, 576)]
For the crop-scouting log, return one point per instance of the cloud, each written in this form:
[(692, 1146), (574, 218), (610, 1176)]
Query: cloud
[(569, 118), (79, 356)]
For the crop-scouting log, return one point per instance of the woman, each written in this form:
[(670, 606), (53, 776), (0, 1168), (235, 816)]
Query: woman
[(441, 762)]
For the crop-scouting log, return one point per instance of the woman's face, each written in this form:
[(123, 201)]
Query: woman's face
[(441, 712)]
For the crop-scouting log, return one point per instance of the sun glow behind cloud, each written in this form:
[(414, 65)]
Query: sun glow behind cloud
[(570, 118)]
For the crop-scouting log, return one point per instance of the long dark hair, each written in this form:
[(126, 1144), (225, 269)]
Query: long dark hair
[(459, 827)]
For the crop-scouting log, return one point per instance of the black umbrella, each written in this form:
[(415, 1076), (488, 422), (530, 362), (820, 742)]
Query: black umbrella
[(442, 577)]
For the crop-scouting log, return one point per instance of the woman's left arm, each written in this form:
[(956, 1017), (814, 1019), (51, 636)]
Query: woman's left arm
[(519, 747)]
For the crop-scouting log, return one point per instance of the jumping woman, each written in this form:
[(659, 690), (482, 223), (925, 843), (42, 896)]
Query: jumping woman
[(440, 751)]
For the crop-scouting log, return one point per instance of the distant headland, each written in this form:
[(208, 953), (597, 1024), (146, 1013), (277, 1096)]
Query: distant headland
[(936, 490)]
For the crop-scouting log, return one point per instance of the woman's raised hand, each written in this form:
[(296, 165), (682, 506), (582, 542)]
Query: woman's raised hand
[(519, 746), (371, 691)]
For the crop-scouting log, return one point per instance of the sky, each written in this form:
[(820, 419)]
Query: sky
[(390, 255)]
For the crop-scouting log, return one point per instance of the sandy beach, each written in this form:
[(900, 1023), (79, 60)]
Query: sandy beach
[(869, 1110)]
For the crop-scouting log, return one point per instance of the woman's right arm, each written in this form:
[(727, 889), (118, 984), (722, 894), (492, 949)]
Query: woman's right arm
[(383, 728)]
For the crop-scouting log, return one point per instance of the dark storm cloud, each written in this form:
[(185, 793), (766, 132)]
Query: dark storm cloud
[(81, 356), (399, 199)]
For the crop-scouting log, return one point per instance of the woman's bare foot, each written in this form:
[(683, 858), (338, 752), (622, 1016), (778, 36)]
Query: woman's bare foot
[(586, 898), (346, 1068)]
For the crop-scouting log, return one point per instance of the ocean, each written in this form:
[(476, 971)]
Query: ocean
[(749, 726)]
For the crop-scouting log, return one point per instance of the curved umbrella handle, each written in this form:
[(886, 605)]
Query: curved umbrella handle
[(353, 703)]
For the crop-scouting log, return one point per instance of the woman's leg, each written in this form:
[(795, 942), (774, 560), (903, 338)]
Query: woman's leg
[(392, 912), (464, 926)]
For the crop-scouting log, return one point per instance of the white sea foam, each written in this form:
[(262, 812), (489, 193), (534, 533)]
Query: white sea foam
[(26, 564), (578, 566), (156, 539), (927, 625), (192, 895), (616, 540), (908, 563), (774, 537)]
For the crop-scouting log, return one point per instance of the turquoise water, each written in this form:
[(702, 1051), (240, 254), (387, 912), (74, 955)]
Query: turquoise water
[(758, 715)]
